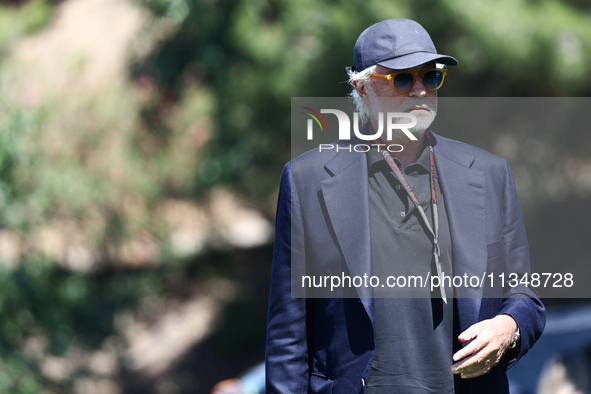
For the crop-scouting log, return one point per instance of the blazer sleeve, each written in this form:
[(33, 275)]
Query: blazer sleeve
[(521, 302), (287, 359)]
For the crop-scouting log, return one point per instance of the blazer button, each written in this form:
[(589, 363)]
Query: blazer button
[(371, 338), (362, 382)]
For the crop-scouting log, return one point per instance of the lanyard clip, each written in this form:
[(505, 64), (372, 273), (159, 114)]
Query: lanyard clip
[(436, 246)]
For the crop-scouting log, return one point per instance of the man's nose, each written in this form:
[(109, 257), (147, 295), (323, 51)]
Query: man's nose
[(418, 90)]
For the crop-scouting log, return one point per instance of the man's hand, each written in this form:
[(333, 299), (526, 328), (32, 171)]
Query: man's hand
[(490, 338)]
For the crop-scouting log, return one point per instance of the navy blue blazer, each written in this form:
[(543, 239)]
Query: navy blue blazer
[(325, 345)]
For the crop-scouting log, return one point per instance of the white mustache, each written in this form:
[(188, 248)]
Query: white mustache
[(416, 102)]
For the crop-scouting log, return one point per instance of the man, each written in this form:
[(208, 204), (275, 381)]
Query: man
[(430, 202)]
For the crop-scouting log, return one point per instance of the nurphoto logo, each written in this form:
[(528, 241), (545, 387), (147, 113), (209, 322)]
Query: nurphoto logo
[(392, 123)]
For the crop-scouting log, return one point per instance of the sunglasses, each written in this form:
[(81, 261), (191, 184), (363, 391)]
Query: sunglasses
[(404, 81)]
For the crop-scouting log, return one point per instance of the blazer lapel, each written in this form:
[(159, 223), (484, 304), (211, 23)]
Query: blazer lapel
[(346, 197), (464, 189)]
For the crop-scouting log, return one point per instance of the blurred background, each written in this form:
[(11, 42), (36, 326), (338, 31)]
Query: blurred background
[(141, 145)]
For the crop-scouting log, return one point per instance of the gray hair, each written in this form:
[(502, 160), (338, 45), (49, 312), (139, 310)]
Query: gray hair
[(361, 76)]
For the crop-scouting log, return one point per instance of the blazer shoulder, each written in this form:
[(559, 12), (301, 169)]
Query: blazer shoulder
[(314, 162), (317, 156)]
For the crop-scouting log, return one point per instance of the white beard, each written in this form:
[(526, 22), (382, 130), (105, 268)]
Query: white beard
[(402, 104)]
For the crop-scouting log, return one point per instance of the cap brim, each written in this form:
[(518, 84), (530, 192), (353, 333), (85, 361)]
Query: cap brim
[(416, 59)]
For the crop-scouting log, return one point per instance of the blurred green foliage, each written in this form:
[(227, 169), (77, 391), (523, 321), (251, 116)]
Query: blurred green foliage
[(16, 22), (254, 55), (40, 302), (223, 71)]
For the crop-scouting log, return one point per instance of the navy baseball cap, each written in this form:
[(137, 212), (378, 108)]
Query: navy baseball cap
[(397, 44)]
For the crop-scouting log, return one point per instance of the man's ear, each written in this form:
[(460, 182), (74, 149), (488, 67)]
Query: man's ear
[(360, 87)]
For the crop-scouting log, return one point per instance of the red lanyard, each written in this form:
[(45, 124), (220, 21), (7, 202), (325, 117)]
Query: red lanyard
[(434, 232)]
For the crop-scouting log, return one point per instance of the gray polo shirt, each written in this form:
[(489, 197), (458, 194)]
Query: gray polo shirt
[(414, 336)]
